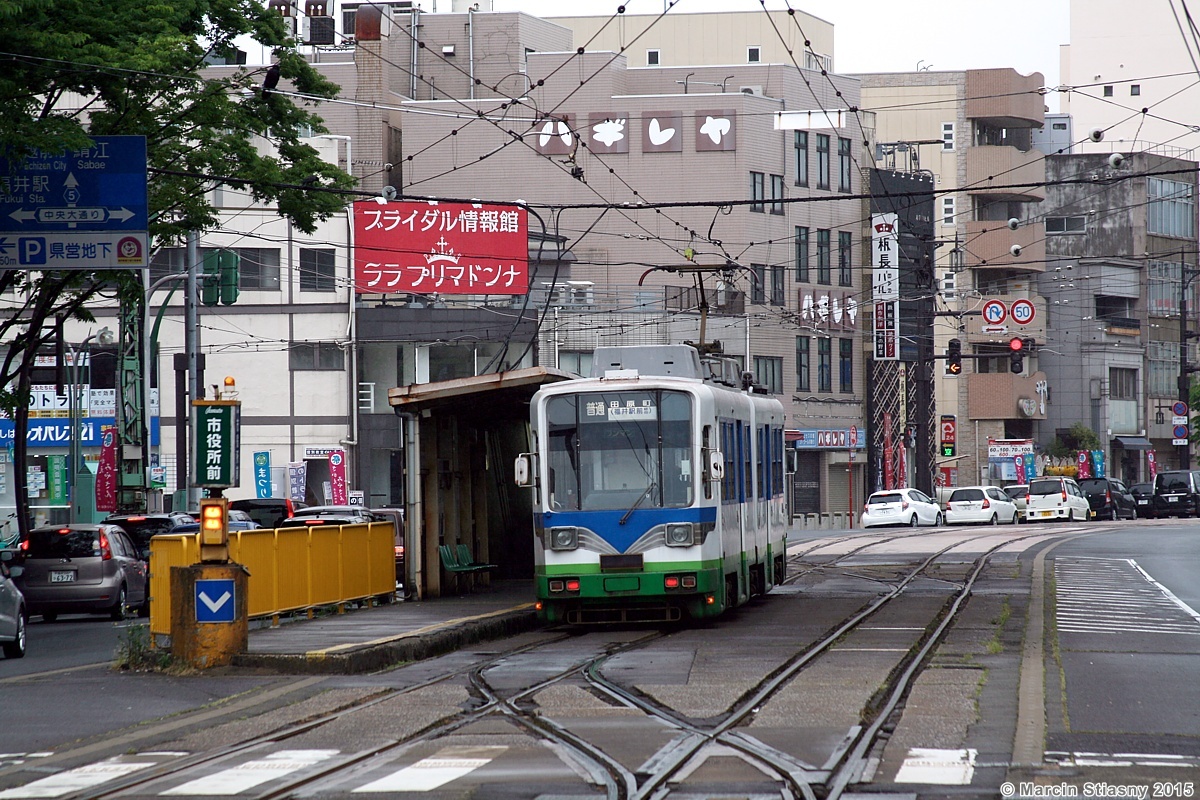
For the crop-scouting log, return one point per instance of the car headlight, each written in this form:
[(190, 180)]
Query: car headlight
[(564, 538), (680, 534)]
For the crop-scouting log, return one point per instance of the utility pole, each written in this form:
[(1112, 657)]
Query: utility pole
[(1185, 277), (195, 376)]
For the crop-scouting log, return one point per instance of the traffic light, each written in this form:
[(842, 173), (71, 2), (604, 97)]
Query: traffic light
[(954, 357), (210, 285), (1016, 346), (229, 264), (214, 529)]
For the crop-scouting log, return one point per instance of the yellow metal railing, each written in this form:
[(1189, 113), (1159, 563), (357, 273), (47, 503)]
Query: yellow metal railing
[(291, 569)]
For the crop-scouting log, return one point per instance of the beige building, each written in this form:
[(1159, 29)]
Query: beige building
[(973, 131)]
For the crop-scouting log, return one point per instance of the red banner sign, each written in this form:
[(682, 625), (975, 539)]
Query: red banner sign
[(337, 478), (440, 248), (1085, 465), (106, 471)]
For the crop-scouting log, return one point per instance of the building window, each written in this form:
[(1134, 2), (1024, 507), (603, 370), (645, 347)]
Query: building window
[(778, 283), (758, 291), (1122, 383), (1066, 224), (801, 255), (757, 191), (801, 147), (843, 165), (754, 54), (845, 259), (1135, 89), (846, 366), (1108, 91), (948, 210), (948, 281), (652, 58), (776, 194), (824, 271), (1172, 210), (324, 356), (803, 383), (947, 136), (824, 365), (1163, 286), (822, 161), (769, 372), (258, 267), (317, 269), (348, 22), (577, 362), (1162, 359)]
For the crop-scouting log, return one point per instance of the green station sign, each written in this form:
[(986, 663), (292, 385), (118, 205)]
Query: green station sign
[(216, 431)]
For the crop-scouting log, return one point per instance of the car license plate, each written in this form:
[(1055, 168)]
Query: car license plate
[(1045, 513), (1172, 499), (62, 576), (1143, 502)]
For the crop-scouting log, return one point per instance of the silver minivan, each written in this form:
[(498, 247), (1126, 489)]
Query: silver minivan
[(13, 618), (93, 569)]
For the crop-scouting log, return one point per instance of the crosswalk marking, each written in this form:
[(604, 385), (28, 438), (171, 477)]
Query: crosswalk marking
[(942, 767), (253, 773), (76, 780), (1116, 596), (439, 769)]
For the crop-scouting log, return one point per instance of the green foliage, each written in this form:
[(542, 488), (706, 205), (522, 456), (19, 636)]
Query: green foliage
[(1079, 437), (136, 652)]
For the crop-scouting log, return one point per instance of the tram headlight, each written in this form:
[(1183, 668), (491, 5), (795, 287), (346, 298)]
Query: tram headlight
[(680, 534), (564, 538)]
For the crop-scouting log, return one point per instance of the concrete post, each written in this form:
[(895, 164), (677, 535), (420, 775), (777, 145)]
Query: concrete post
[(202, 644)]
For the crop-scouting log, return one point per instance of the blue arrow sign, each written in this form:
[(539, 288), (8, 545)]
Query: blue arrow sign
[(215, 600)]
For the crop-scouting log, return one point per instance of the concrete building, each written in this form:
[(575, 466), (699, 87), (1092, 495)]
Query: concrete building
[(1121, 255), (973, 131)]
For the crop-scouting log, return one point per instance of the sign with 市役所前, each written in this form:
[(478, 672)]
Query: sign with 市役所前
[(216, 435)]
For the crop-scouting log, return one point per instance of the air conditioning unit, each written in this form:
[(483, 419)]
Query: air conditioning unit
[(754, 90), (571, 293), (318, 30)]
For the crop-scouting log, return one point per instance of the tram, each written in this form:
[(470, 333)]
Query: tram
[(659, 489)]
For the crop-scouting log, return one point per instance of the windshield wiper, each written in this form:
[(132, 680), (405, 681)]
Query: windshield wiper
[(638, 502)]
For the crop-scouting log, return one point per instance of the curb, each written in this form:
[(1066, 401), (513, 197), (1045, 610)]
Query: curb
[(373, 657)]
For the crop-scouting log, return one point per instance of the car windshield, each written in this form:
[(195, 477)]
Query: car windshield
[(883, 499), (1094, 485), (1016, 491), (966, 494), (63, 543), (1172, 482), (1046, 487)]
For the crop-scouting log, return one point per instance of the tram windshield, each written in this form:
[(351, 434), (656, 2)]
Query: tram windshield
[(612, 450)]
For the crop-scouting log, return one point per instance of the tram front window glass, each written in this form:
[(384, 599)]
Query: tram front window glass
[(612, 450)]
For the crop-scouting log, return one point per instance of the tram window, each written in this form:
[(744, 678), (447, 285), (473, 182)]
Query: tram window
[(706, 444), (746, 461), (760, 462)]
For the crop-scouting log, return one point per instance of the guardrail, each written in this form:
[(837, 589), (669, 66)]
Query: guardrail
[(291, 569)]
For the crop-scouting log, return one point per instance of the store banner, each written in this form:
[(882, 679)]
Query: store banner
[(337, 478), (1152, 463), (1030, 467), (1084, 465), (57, 466), (1098, 464), (297, 480), (106, 473), (1019, 462), (262, 474)]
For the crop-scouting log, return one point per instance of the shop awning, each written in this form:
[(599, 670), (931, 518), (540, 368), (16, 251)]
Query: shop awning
[(1134, 443)]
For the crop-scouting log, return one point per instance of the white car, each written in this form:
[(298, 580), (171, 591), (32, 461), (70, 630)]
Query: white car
[(1055, 497), (980, 504), (900, 507)]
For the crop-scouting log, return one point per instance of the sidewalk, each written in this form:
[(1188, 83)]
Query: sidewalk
[(371, 639)]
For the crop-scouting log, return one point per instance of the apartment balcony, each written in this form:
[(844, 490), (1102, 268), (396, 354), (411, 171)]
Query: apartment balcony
[(989, 246), (1002, 172), (982, 331), (1006, 97), (1002, 395)]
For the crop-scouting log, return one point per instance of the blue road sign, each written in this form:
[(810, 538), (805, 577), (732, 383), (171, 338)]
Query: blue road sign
[(80, 209), (214, 600)]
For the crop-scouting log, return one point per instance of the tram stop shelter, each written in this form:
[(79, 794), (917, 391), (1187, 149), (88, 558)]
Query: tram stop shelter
[(459, 440)]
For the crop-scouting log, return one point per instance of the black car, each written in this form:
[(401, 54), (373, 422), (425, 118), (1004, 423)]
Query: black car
[(1176, 493), (268, 512), (1143, 495), (141, 527), (1109, 498)]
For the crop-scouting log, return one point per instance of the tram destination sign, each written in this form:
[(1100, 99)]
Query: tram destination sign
[(76, 209)]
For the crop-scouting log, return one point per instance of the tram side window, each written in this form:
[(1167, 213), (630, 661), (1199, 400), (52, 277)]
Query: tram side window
[(760, 461), (706, 440), (679, 477), (562, 447), (729, 484), (777, 462), (747, 455)]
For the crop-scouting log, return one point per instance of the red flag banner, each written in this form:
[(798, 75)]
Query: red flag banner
[(106, 472), (337, 478)]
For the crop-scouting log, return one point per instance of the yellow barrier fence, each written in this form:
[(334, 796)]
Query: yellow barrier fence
[(291, 569)]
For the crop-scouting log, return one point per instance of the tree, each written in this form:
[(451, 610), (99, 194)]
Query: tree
[(70, 68)]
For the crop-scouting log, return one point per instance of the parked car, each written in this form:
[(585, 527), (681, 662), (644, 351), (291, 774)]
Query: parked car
[(1017, 493), (141, 527), (1143, 495), (1109, 498), (93, 568), (901, 507), (1056, 497), (976, 504), (13, 617), (267, 511), (234, 525), (330, 515), (1176, 493)]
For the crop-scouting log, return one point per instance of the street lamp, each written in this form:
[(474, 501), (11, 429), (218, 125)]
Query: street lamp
[(105, 337)]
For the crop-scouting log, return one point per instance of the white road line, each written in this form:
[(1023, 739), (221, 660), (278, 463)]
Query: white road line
[(253, 773), (439, 769), (942, 767), (76, 780), (1115, 596)]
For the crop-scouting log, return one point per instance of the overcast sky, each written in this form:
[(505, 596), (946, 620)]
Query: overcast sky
[(878, 36)]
